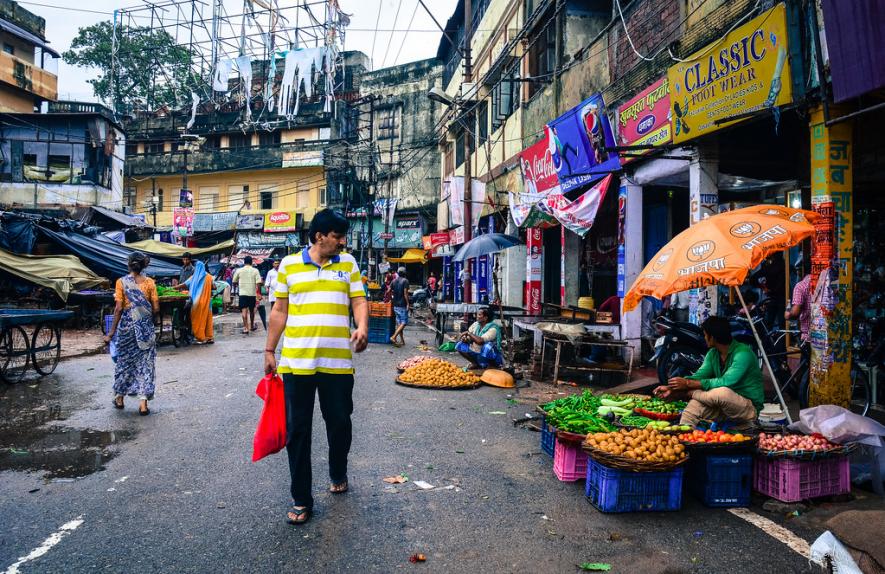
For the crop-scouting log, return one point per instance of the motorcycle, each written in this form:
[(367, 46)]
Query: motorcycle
[(420, 298)]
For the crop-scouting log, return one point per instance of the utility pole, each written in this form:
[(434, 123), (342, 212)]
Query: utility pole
[(370, 209), (389, 192), (154, 200), (468, 184)]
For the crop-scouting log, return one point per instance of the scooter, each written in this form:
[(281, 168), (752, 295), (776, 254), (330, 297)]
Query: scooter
[(420, 298)]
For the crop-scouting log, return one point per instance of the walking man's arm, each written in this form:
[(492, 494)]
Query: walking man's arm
[(360, 337)]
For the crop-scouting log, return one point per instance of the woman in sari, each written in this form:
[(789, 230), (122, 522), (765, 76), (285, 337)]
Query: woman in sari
[(133, 334), (199, 287)]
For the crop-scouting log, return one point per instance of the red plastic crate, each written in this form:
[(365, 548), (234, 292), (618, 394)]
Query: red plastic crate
[(569, 462), (790, 480)]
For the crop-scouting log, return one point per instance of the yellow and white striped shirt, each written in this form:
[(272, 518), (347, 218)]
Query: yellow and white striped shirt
[(317, 336)]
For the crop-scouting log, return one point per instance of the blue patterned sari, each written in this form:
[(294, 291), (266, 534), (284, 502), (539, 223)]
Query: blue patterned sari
[(136, 345)]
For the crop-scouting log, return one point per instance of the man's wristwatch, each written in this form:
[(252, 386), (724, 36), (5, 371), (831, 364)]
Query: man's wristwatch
[(270, 351)]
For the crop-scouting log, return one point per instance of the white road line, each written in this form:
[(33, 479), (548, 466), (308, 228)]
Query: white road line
[(774, 530), (47, 545)]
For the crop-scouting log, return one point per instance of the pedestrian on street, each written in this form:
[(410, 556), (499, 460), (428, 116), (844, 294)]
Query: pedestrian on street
[(247, 279), (199, 288), (399, 291), (314, 289), (133, 326), (187, 267)]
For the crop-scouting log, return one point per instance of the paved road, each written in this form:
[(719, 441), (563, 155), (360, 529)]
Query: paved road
[(176, 491)]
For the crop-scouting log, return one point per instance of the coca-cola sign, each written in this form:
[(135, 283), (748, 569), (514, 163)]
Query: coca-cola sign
[(538, 170)]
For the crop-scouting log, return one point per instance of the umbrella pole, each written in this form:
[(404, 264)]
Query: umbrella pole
[(777, 388)]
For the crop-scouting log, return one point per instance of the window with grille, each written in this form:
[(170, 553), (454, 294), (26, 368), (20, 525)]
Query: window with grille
[(238, 197), (302, 197), (505, 98), (208, 200), (268, 195), (153, 147), (542, 53), (459, 150), (482, 123), (387, 121), (324, 199), (239, 141), (266, 139)]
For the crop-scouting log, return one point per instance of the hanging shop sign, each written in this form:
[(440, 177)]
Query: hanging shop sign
[(744, 72), (578, 141), (435, 242), (538, 172), (258, 240), (183, 221), (281, 221), (577, 216), (407, 231), (302, 158), (456, 236), (534, 245), (645, 119), (226, 221), (386, 235), (253, 221)]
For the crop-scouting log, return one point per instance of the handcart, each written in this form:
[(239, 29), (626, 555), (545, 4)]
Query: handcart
[(41, 349)]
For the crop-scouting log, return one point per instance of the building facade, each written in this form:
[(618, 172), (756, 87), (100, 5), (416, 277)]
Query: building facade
[(28, 66)]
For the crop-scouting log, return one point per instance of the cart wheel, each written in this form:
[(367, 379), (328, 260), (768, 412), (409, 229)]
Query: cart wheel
[(45, 348), (15, 354)]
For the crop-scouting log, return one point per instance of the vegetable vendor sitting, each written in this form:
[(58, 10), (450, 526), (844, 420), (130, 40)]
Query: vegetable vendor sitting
[(481, 343), (727, 387)]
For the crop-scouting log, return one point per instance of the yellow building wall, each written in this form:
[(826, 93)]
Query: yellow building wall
[(296, 189)]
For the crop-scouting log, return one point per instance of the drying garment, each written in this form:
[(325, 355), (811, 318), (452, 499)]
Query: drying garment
[(195, 101), (271, 74), (244, 66), (299, 67), (222, 74)]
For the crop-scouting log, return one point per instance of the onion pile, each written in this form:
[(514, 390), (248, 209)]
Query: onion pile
[(412, 361), (779, 442)]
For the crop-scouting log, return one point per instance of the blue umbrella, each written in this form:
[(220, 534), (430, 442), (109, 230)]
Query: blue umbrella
[(485, 244)]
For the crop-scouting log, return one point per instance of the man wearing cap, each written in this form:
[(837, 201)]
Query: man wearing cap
[(399, 290)]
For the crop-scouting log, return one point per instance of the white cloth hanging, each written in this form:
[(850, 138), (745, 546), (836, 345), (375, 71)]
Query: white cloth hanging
[(271, 74), (195, 101), (223, 68), (299, 68), (244, 66)]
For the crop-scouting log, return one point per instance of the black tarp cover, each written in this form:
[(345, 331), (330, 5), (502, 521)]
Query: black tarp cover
[(105, 257)]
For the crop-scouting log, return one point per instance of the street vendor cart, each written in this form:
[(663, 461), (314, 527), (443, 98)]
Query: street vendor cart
[(41, 349), (173, 320)]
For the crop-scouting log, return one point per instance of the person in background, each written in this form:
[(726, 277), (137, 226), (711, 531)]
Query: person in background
[(136, 343), (388, 279), (728, 385), (481, 343), (598, 353), (199, 288), (432, 284), (771, 278), (316, 356), (364, 278), (463, 281), (399, 290), (270, 280), (679, 304), (247, 278), (800, 307), (187, 268)]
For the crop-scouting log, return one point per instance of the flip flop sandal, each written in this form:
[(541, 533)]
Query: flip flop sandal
[(119, 404), (301, 515), (339, 488), (144, 412)]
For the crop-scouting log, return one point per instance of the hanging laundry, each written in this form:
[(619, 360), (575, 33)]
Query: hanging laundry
[(244, 66), (222, 74), (195, 101)]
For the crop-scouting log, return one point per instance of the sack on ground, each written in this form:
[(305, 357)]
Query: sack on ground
[(270, 435)]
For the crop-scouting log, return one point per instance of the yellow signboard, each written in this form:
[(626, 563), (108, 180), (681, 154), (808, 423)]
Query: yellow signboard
[(746, 71)]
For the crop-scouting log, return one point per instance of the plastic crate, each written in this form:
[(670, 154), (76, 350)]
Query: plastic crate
[(721, 481), (380, 323), (569, 462), (380, 336), (548, 437), (380, 309), (790, 480), (612, 490)]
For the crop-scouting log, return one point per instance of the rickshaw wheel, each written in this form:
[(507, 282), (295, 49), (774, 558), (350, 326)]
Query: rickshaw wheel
[(46, 348), (15, 354)]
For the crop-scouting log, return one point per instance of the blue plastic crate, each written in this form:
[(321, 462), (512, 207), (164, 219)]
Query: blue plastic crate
[(548, 437), (380, 336), (721, 480), (380, 323), (611, 490)]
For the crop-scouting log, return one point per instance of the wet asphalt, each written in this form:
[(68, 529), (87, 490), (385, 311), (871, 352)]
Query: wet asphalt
[(177, 492)]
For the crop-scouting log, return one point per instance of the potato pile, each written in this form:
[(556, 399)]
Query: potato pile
[(438, 373), (639, 444)]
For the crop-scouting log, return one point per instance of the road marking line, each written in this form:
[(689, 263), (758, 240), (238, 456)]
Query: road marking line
[(47, 545), (776, 531)]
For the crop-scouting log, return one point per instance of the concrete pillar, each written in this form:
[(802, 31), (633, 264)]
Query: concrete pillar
[(513, 270), (703, 177), (633, 260)]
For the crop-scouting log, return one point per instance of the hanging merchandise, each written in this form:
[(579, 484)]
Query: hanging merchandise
[(195, 101), (577, 216), (223, 69), (244, 67)]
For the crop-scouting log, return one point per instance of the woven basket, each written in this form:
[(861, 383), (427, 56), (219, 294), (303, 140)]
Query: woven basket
[(808, 454), (712, 447), (570, 438), (624, 463), (399, 381)]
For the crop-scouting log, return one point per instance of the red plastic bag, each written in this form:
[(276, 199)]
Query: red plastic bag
[(270, 436)]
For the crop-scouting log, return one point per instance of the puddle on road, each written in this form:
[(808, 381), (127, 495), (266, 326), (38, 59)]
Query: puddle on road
[(31, 438)]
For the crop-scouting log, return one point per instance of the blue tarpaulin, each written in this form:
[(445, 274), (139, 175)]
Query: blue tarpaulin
[(105, 257)]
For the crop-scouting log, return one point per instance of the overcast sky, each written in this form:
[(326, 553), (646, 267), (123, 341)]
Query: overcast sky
[(420, 42)]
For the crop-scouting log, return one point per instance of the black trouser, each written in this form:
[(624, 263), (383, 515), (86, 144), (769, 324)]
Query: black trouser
[(336, 404)]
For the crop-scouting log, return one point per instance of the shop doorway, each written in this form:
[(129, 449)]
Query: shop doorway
[(552, 261)]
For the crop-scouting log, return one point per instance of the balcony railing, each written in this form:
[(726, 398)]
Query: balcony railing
[(301, 154), (28, 77)]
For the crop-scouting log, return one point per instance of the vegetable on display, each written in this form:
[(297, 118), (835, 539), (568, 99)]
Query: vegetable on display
[(163, 291), (643, 445), (709, 437), (793, 442), (657, 405)]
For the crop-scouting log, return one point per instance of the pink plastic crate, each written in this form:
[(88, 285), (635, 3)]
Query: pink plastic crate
[(569, 462), (790, 480)]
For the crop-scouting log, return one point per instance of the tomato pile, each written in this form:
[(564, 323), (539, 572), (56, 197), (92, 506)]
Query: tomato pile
[(712, 437)]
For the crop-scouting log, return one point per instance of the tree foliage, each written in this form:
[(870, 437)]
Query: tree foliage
[(151, 69)]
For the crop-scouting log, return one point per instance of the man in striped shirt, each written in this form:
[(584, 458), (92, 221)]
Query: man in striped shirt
[(316, 289)]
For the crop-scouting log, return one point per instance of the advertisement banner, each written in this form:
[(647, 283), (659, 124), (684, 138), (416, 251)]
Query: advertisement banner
[(746, 71), (225, 221), (183, 221), (578, 215), (456, 236), (185, 198), (534, 247), (250, 222), (280, 222), (258, 240), (538, 171), (578, 140), (645, 119), (434, 242)]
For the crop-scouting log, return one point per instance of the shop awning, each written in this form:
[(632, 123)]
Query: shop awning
[(60, 273), (170, 250), (116, 216), (411, 256)]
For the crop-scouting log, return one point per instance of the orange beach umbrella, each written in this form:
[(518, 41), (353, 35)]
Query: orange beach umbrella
[(721, 249)]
